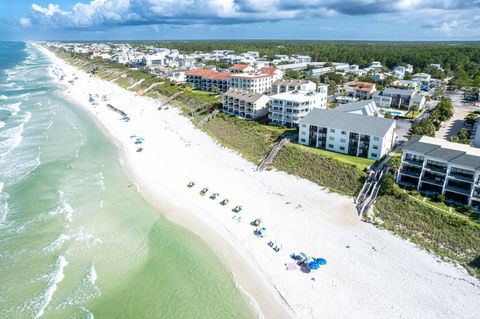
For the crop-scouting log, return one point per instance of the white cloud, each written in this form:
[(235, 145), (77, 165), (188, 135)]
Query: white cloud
[(98, 13), (25, 22)]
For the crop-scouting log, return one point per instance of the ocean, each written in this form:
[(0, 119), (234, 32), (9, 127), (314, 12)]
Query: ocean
[(75, 240)]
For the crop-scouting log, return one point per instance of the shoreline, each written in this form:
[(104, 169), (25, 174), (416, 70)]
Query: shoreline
[(255, 268), (262, 300)]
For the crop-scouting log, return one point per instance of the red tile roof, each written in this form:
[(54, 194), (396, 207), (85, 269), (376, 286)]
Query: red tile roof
[(209, 74), (267, 70), (238, 67)]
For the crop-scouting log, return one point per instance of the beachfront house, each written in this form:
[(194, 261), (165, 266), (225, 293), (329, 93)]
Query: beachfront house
[(437, 166), (245, 104), (348, 133), (288, 108)]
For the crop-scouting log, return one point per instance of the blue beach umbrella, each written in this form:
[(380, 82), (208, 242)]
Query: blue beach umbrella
[(313, 265), (321, 261)]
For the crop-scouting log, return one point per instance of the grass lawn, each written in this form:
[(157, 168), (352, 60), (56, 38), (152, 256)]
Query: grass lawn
[(412, 115), (251, 139), (337, 172), (448, 235), (359, 162)]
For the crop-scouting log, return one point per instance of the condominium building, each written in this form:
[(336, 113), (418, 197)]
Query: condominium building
[(288, 108), (402, 99), (208, 80), (248, 105), (259, 81), (436, 166), (281, 86), (348, 133)]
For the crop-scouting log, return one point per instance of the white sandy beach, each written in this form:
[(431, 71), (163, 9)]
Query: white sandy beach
[(370, 273)]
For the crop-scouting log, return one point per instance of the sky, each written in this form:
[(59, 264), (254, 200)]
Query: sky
[(391, 20)]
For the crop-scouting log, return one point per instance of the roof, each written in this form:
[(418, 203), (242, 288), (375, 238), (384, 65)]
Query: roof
[(267, 70), (209, 74), (291, 82), (297, 96), (367, 125), (360, 83), (398, 91), (355, 106), (455, 153), (239, 67), (244, 95)]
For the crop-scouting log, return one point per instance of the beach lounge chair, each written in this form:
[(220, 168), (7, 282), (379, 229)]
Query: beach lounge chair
[(139, 149), (204, 191), (224, 202), (191, 184), (214, 196)]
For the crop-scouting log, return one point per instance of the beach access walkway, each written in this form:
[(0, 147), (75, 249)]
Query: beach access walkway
[(267, 161)]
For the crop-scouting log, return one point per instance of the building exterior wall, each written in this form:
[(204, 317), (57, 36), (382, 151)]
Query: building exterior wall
[(346, 142), (245, 109), (288, 110), (432, 175)]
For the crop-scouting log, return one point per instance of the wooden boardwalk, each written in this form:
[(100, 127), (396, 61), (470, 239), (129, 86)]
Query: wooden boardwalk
[(268, 161)]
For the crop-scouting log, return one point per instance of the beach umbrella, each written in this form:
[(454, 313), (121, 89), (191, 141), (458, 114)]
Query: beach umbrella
[(304, 255), (321, 261), (309, 260), (313, 265)]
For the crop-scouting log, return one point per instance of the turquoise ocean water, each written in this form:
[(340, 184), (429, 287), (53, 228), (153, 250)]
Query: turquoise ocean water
[(75, 240)]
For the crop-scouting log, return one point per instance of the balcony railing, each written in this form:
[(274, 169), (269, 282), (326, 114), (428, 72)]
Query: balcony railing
[(413, 162), (462, 177), (458, 190), (437, 169), (434, 181), (410, 172)]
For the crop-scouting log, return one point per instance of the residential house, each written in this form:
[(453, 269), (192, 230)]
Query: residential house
[(348, 133), (423, 78), (246, 104), (437, 166), (363, 90)]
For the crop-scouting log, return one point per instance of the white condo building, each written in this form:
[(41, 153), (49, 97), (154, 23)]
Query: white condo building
[(348, 133), (245, 104), (288, 108)]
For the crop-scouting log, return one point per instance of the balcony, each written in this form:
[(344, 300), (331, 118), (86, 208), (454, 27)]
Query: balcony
[(434, 181), (436, 169), (413, 162), (410, 172), (461, 177), (458, 190)]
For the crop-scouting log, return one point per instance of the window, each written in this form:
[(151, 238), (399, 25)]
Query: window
[(342, 148), (331, 138), (330, 145), (303, 140), (303, 132), (375, 147), (376, 138), (344, 133), (342, 140), (332, 130), (304, 125), (374, 155)]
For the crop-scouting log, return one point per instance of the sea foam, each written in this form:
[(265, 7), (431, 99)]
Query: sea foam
[(53, 280)]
